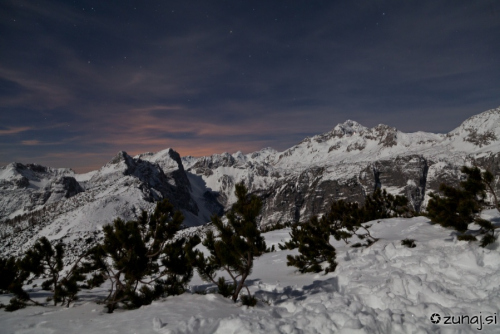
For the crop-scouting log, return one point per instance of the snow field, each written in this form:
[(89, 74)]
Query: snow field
[(386, 288)]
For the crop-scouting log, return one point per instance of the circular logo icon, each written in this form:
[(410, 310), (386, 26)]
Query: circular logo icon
[(435, 318)]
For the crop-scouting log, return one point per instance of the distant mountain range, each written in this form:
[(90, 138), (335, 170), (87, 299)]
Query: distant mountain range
[(346, 163)]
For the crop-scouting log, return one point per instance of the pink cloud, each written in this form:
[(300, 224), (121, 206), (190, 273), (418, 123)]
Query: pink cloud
[(14, 130), (30, 142)]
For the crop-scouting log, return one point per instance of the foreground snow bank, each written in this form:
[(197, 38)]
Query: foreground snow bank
[(385, 288)]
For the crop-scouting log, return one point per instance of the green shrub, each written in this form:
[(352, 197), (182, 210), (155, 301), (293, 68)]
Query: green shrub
[(342, 221), (312, 240), (248, 300), (234, 247), (458, 207), (141, 259), (410, 243)]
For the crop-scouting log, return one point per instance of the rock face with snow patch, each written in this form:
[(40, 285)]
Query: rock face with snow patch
[(24, 188), (151, 178)]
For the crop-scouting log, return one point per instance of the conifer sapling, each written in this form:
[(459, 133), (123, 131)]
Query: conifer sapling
[(234, 247), (141, 259)]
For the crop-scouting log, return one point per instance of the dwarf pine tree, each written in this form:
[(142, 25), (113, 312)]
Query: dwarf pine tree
[(460, 206), (141, 259), (381, 204), (346, 219), (343, 220), (44, 260), (234, 247), (488, 180), (313, 242), (12, 279), (8, 273)]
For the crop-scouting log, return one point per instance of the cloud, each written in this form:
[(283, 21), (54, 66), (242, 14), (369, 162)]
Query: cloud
[(35, 142), (14, 130), (33, 91), (30, 142)]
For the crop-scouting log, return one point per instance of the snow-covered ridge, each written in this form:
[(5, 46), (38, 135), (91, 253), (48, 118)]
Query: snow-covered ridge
[(350, 141), (350, 160), (481, 130)]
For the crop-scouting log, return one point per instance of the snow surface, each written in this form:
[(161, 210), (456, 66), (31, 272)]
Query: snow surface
[(386, 288)]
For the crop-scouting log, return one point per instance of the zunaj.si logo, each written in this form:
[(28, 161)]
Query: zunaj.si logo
[(477, 320), (435, 318)]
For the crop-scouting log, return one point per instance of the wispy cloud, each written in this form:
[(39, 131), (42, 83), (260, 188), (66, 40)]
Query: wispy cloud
[(36, 142), (14, 130), (30, 142), (33, 92)]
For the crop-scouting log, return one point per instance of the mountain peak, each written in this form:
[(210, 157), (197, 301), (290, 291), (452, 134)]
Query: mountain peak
[(488, 120), (119, 157), (169, 160), (492, 115), (480, 130), (348, 128)]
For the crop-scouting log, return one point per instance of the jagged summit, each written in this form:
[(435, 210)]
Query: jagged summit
[(350, 161), (121, 156), (168, 159), (348, 128)]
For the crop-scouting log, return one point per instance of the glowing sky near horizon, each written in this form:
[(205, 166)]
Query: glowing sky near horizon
[(82, 80)]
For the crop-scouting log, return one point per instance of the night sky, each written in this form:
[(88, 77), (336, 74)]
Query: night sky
[(82, 80)]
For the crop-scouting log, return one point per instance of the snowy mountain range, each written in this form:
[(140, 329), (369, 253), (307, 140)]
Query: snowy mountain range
[(351, 161), (345, 163)]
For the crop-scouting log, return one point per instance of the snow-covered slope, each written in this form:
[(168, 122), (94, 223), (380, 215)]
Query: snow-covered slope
[(385, 288)]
